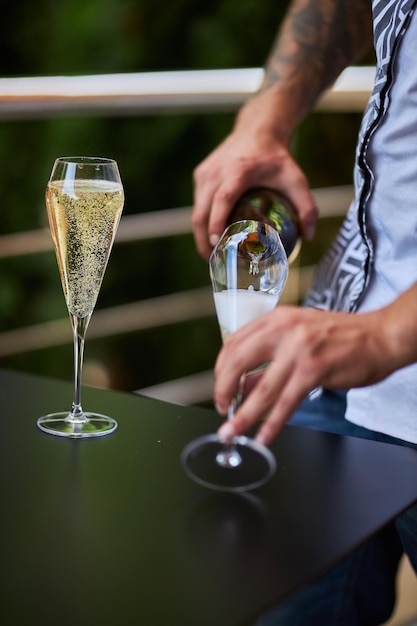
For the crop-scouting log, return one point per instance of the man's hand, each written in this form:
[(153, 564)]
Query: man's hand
[(251, 156), (308, 348)]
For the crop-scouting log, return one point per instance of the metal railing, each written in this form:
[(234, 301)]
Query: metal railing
[(158, 93)]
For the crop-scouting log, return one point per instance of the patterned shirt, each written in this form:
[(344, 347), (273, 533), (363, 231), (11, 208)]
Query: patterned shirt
[(374, 257), (343, 274)]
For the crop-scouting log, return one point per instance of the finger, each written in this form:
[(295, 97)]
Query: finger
[(289, 399), (298, 192), (296, 387), (305, 204), (235, 358), (245, 350), (203, 197), (258, 403), (199, 225), (224, 200)]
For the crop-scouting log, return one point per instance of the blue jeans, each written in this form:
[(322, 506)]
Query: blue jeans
[(360, 590)]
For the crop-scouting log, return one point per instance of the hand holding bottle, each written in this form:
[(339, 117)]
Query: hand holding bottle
[(255, 154)]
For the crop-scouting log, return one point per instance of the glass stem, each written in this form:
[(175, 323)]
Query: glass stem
[(237, 399), (229, 457), (79, 329)]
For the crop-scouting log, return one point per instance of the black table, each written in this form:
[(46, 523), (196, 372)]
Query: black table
[(110, 531)]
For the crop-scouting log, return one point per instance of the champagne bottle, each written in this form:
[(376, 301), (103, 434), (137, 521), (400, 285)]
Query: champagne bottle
[(267, 205)]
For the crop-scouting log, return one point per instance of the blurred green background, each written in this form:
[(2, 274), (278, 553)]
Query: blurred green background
[(156, 156)]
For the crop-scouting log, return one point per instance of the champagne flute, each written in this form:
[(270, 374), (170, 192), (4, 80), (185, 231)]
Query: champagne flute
[(84, 199), (248, 270)]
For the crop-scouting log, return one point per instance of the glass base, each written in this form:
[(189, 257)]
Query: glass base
[(63, 425), (242, 466)]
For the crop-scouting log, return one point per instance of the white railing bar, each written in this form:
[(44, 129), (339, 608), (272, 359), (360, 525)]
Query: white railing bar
[(136, 316), (132, 317), (332, 201), (160, 92), (156, 224), (187, 390), (350, 93)]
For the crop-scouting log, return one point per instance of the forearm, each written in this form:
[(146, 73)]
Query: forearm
[(317, 40), (400, 320)]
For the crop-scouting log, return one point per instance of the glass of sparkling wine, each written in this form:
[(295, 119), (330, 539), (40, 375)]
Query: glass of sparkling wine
[(248, 269), (84, 199)]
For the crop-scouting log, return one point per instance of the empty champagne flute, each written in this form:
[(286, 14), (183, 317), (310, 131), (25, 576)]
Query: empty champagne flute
[(248, 270), (84, 199)]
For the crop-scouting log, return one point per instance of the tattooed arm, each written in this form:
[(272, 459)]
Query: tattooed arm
[(317, 40)]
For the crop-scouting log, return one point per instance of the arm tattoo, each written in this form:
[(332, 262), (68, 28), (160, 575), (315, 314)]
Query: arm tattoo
[(317, 40)]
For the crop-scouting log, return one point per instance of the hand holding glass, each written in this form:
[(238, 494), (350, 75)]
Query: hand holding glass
[(248, 269), (84, 199)]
